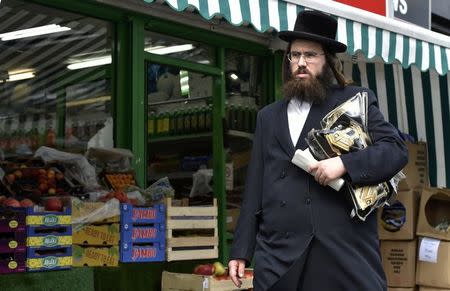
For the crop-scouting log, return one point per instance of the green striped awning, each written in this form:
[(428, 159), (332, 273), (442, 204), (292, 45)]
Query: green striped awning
[(372, 41), (417, 103)]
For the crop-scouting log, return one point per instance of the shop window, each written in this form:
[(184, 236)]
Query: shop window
[(179, 127), (244, 97), (165, 45), (54, 79)]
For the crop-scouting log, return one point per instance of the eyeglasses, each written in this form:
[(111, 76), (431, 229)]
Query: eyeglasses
[(309, 57)]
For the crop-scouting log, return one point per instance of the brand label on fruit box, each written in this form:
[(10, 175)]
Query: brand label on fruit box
[(50, 220), (12, 265), (144, 213), (50, 262), (144, 233), (50, 241), (13, 224), (12, 244), (142, 253)]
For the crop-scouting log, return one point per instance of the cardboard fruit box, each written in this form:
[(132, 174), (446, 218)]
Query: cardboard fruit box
[(398, 221), (107, 234), (179, 281), (416, 170), (95, 256), (434, 214), (399, 262), (435, 273), (426, 288)]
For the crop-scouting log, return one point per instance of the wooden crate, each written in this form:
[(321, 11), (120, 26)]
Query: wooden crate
[(180, 282), (194, 246)]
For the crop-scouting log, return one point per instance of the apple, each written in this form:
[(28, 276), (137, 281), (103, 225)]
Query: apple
[(42, 172), (23, 166), (50, 174), (10, 178), (53, 204), (11, 202), (18, 174), (2, 198), (51, 191), (219, 269), (59, 176), (43, 187), (206, 269), (26, 203)]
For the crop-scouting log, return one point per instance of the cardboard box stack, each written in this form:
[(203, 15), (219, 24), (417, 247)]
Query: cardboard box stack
[(95, 244), (433, 263), (397, 223)]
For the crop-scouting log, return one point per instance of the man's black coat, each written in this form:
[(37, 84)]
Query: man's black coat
[(301, 233)]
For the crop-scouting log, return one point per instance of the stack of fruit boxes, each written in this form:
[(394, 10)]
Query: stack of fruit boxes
[(49, 240), (142, 233), (12, 240), (97, 244)]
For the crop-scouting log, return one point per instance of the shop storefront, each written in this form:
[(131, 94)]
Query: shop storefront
[(179, 82)]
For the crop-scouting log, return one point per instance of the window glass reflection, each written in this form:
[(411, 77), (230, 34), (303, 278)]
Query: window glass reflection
[(193, 51), (54, 77)]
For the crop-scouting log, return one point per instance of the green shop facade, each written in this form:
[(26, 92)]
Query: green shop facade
[(179, 82)]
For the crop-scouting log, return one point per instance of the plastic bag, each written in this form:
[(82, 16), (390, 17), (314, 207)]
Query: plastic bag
[(200, 184), (76, 166), (84, 213)]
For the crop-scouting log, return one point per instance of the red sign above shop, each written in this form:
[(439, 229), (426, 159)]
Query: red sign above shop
[(374, 6)]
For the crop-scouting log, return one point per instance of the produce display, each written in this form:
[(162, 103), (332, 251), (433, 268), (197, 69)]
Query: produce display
[(118, 181)]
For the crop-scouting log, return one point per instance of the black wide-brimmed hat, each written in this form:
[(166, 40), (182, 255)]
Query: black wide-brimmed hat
[(315, 26)]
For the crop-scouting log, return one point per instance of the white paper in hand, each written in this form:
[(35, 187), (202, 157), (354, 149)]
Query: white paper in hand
[(304, 158)]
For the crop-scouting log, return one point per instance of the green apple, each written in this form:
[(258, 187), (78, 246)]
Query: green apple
[(219, 269)]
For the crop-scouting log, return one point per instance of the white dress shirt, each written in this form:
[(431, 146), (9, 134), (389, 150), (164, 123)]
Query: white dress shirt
[(297, 112)]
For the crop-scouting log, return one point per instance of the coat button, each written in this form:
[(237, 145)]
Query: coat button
[(308, 201), (283, 175), (282, 203)]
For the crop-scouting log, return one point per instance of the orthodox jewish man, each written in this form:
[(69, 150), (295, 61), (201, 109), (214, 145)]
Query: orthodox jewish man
[(298, 230)]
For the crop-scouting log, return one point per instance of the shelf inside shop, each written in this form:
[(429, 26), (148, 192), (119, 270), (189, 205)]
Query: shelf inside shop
[(187, 137), (172, 175), (238, 133), (183, 137)]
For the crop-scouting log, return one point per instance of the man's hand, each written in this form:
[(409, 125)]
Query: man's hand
[(236, 271), (327, 170)]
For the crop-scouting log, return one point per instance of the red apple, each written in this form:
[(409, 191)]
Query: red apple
[(26, 203), (42, 172), (53, 204), (43, 187), (59, 176), (18, 174), (10, 178), (11, 202), (206, 269)]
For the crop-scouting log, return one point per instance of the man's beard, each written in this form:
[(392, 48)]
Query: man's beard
[(313, 89)]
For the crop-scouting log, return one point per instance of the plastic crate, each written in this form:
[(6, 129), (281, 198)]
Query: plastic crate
[(142, 215), (12, 219), (13, 262), (13, 242), (153, 252), (46, 259), (141, 234), (48, 218)]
